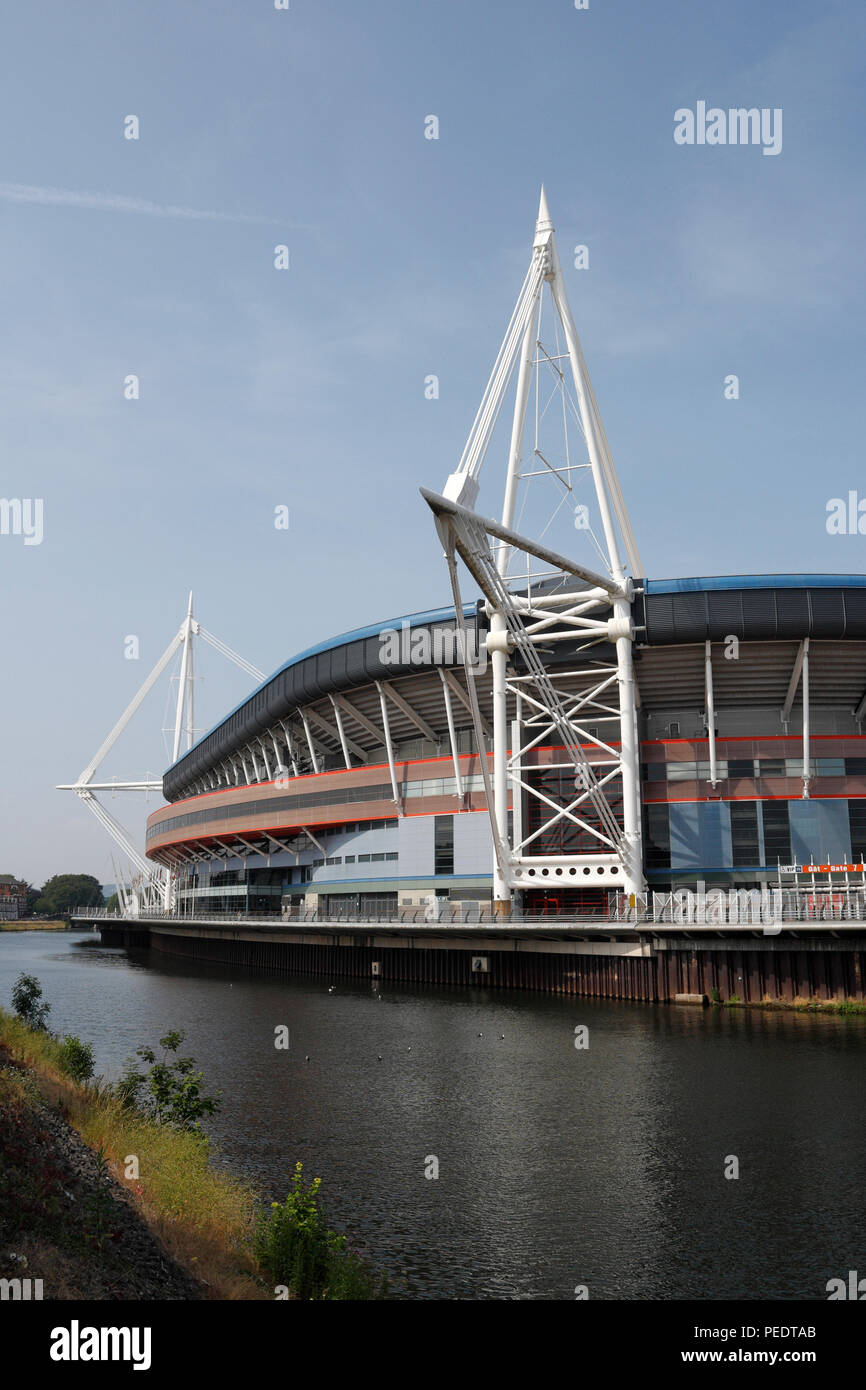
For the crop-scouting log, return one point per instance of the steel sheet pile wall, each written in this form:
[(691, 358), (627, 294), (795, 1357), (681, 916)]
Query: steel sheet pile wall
[(788, 973), (603, 977), (784, 971)]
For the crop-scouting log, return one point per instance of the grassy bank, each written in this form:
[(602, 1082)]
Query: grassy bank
[(32, 926), (818, 1006), (214, 1225), (799, 1005), (205, 1219)]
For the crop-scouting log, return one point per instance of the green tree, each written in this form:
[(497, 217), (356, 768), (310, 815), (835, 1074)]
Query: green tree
[(28, 1003), (66, 891), (76, 1058), (170, 1091)]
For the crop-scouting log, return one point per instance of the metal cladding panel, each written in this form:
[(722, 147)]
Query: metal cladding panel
[(373, 663), (753, 614), (725, 614), (338, 668), (792, 606), (760, 618), (275, 693), (855, 612), (257, 719), (356, 665), (690, 617), (659, 619), (827, 611), (313, 680)]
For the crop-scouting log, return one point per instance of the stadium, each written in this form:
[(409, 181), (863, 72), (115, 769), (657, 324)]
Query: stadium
[(349, 782), (573, 777), (568, 743)]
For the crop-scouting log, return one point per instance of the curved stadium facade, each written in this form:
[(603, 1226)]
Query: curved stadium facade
[(349, 781)]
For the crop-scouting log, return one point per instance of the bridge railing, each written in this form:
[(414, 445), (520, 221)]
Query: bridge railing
[(744, 906), (402, 917), (765, 907)]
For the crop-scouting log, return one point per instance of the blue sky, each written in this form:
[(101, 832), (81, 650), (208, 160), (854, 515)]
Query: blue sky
[(305, 387)]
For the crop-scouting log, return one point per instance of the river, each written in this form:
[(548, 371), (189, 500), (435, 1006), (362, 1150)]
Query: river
[(559, 1167)]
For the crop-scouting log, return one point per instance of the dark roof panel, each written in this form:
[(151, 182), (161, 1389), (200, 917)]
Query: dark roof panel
[(673, 611)]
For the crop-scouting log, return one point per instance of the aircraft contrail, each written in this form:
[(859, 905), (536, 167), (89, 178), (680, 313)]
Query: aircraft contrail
[(116, 202)]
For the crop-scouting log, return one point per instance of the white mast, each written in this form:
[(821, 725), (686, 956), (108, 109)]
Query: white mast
[(185, 685), (566, 611), (158, 881)]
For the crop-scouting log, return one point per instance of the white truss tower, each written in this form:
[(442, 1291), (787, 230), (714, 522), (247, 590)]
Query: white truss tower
[(589, 711), (151, 885)]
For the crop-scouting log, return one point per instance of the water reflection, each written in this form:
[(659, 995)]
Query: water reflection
[(558, 1167)]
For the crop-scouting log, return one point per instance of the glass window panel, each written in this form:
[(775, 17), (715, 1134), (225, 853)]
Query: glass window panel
[(777, 832), (744, 833), (741, 767), (655, 772), (682, 772)]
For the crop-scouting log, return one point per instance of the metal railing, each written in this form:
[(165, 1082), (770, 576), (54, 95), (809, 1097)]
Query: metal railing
[(745, 907), (315, 916), (720, 908)]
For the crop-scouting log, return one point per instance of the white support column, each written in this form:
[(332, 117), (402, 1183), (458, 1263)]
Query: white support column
[(316, 842), (254, 761), (518, 426), (268, 776), (806, 746), (184, 692), (499, 656), (246, 769), (711, 711), (228, 849), (190, 680), (797, 671), (517, 772), (131, 708), (310, 745), (629, 755), (279, 765), (290, 747), (638, 796), (498, 660), (383, 704), (629, 752), (449, 715), (588, 422), (252, 849), (412, 715), (341, 731)]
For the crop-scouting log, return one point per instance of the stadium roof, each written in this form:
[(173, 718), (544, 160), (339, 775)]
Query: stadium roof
[(778, 609)]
